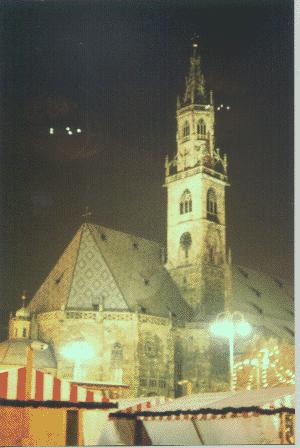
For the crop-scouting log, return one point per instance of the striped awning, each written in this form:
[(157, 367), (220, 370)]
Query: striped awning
[(44, 387)]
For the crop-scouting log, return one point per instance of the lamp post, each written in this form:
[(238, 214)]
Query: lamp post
[(228, 325), (31, 348)]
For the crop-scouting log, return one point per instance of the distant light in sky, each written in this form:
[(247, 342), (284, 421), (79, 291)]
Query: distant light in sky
[(51, 131), (79, 131)]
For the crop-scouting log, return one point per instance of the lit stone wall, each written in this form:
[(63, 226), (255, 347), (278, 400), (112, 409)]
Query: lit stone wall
[(155, 354), (62, 327), (130, 348), (192, 268), (191, 357)]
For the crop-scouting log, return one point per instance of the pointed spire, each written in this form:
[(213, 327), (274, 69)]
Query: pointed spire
[(195, 84)]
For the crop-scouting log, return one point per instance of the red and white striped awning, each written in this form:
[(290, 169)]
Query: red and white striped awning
[(44, 387), (138, 405), (199, 404)]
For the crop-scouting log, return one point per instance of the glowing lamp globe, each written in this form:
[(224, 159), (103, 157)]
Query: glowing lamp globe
[(78, 350), (243, 328), (222, 327)]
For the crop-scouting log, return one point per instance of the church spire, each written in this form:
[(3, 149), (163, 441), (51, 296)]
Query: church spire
[(195, 84)]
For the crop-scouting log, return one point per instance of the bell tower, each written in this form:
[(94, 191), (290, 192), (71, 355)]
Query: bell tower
[(195, 180)]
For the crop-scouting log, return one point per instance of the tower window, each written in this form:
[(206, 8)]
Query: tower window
[(201, 128), (212, 211), (24, 333), (186, 204), (186, 130), (186, 242)]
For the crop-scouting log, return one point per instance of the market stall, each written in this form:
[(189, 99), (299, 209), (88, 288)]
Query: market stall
[(264, 416)]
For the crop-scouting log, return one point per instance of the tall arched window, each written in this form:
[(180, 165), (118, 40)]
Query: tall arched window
[(186, 242), (117, 355), (201, 128), (186, 205), (186, 130), (212, 211)]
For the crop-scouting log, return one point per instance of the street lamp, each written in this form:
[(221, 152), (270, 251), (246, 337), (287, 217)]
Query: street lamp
[(228, 325), (34, 346), (77, 351)]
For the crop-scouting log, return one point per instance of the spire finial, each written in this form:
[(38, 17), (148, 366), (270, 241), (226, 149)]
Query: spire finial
[(195, 40), (87, 214), (23, 298)]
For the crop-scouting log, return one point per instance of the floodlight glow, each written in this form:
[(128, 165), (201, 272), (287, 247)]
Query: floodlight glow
[(243, 328), (78, 351), (222, 327)]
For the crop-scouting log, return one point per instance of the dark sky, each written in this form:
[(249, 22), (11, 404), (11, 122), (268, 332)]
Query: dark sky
[(113, 69)]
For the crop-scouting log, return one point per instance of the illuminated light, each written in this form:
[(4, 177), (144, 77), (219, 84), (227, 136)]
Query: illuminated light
[(78, 131), (51, 131), (78, 351), (222, 106), (195, 45), (218, 108), (222, 328), (228, 107), (67, 128), (243, 328), (70, 132)]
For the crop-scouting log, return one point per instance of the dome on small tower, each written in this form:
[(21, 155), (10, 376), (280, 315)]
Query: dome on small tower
[(23, 313), (19, 326)]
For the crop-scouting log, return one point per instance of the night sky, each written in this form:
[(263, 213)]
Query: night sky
[(113, 69)]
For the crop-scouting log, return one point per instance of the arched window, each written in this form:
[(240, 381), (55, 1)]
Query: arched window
[(212, 211), (186, 205), (116, 355), (201, 128), (186, 130), (186, 242)]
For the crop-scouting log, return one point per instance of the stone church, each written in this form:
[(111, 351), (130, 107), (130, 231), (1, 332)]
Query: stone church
[(143, 311)]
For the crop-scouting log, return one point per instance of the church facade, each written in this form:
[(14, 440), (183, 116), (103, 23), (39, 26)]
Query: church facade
[(142, 312)]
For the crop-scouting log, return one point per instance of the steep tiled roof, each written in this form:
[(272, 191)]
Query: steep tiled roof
[(112, 268), (265, 301), (120, 271)]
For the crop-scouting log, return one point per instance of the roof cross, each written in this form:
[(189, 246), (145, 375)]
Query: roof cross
[(87, 214)]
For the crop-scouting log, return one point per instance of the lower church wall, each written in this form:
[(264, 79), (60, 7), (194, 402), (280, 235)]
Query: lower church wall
[(191, 359)]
